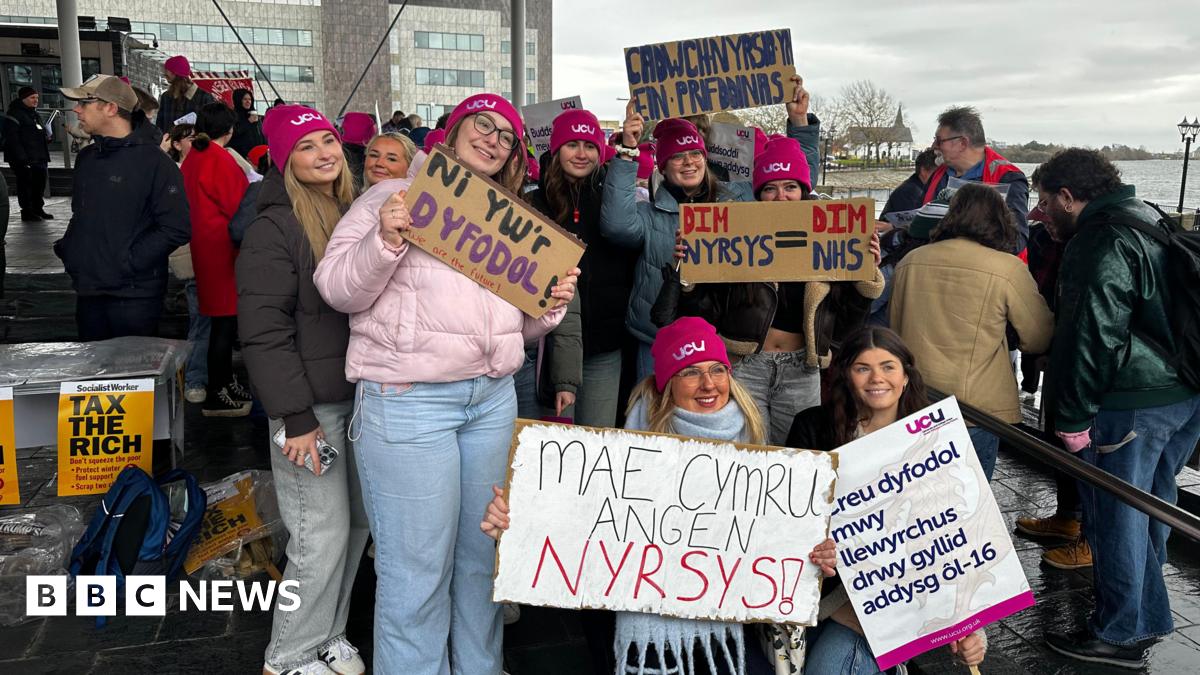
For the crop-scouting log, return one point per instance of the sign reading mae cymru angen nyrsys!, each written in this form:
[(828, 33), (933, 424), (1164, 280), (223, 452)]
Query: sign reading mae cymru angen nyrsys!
[(705, 75), (641, 522), (487, 233), (922, 548)]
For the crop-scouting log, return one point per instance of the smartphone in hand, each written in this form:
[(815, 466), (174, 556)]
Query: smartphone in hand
[(327, 452)]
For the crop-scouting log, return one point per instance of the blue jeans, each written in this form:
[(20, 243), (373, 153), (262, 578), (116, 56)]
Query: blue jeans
[(781, 386), (327, 530), (428, 455), (596, 401), (987, 446), (196, 375), (834, 649), (1147, 448)]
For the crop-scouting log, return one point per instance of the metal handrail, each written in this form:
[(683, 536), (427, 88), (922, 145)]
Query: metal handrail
[(1171, 515)]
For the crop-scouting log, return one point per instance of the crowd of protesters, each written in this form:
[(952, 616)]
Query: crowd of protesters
[(289, 230)]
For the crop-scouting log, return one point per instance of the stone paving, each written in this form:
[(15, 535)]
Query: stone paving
[(545, 641)]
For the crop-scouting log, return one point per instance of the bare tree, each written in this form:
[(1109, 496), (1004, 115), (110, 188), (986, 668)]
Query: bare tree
[(871, 109), (772, 119)]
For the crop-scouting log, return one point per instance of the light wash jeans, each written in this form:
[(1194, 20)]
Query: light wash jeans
[(196, 374), (781, 386), (327, 530), (1146, 447), (428, 455), (596, 401), (834, 649)]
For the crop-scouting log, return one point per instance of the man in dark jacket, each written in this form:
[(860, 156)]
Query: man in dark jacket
[(128, 212), (962, 145), (910, 195), (1120, 403), (26, 148)]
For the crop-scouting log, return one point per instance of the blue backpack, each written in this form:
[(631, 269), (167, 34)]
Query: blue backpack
[(129, 532)]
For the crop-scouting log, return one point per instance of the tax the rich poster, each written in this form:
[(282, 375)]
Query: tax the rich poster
[(103, 426)]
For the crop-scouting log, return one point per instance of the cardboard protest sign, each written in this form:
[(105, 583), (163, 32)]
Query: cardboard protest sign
[(488, 234), (226, 524), (922, 548), (539, 120), (641, 522), (704, 75), (103, 426), (9, 487), (731, 146), (778, 241)]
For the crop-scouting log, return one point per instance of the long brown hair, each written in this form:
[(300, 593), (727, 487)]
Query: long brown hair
[(316, 211), (843, 401), (512, 174), (178, 88), (978, 213), (561, 191), (660, 408)]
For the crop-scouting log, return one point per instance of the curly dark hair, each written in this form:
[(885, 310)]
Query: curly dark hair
[(1085, 173), (843, 401), (977, 212)]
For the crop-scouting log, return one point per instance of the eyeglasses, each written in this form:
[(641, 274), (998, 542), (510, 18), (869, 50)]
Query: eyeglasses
[(938, 141), (686, 157), (485, 126), (692, 376)]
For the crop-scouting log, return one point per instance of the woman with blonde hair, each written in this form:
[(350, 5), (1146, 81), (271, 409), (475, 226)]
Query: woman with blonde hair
[(295, 349), (388, 156)]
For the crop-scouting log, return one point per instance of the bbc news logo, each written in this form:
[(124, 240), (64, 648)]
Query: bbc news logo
[(147, 595)]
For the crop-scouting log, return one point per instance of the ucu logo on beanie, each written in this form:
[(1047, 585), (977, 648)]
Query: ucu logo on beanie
[(584, 129), (777, 166), (687, 140), (688, 349), (481, 103), (306, 118)]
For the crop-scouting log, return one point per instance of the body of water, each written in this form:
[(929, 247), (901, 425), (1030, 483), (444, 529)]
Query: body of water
[(1156, 180)]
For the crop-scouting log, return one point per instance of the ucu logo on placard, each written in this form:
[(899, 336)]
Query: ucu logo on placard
[(688, 349), (481, 103), (778, 166), (584, 129), (743, 133), (925, 421), (687, 140), (568, 105), (306, 117)]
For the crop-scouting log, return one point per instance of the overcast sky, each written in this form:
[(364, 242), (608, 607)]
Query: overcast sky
[(1078, 73)]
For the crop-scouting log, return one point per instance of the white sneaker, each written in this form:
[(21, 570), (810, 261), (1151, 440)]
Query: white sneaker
[(310, 668), (512, 613), (195, 394), (342, 657)]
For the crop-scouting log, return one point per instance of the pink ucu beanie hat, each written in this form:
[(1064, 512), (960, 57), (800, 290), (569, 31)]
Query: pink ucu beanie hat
[(683, 342), (489, 103), (433, 138), (575, 125), (179, 65), (285, 125), (676, 135), (358, 128), (781, 159)]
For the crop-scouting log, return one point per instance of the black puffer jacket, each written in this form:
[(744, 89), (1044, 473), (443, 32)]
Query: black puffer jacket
[(246, 134), (607, 269), (170, 109), (294, 344), (25, 140), (128, 213)]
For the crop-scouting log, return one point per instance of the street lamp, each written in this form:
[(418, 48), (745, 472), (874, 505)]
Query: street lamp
[(1187, 134), (829, 133)]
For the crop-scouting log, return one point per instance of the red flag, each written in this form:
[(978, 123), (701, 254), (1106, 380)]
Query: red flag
[(222, 85)]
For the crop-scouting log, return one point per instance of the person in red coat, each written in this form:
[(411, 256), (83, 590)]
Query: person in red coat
[(215, 185)]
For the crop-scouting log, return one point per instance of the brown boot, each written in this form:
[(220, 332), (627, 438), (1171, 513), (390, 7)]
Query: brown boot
[(1070, 557), (1058, 527)]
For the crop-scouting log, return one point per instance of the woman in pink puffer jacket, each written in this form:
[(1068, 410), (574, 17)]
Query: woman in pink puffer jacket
[(433, 354)]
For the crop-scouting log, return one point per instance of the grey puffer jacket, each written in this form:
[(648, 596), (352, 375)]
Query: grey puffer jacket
[(650, 227)]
